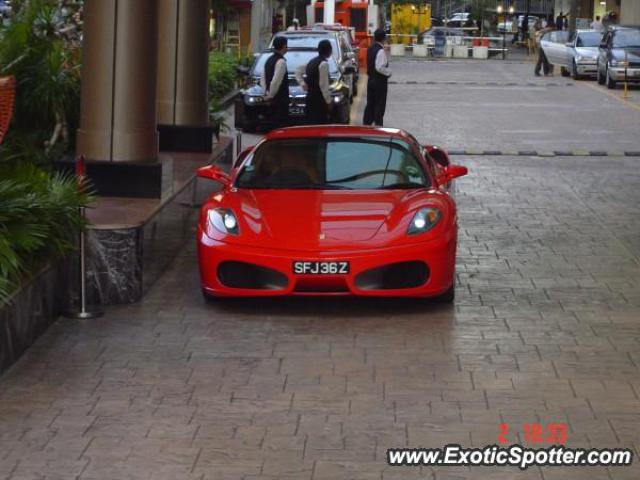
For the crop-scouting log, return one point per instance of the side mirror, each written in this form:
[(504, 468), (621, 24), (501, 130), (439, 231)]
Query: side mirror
[(438, 155), (455, 171), (214, 173)]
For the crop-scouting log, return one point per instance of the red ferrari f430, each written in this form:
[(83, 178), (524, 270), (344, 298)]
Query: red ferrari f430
[(331, 210)]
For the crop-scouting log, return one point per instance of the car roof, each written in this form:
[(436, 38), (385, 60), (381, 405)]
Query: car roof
[(306, 32), (324, 131)]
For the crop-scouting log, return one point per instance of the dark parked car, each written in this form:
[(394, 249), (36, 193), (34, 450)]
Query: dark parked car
[(340, 43), (251, 109), (619, 56)]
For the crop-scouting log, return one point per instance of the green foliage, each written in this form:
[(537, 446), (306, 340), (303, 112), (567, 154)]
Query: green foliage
[(222, 74), (38, 216), (47, 72)]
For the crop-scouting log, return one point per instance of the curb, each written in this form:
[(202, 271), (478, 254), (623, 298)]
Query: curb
[(483, 84), (545, 153)]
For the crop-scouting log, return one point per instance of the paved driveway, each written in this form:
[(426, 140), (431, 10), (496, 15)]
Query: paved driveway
[(545, 329)]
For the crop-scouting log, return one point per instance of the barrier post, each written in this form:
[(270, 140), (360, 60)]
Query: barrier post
[(84, 311)]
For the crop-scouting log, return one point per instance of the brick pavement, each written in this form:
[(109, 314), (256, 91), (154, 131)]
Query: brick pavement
[(545, 329)]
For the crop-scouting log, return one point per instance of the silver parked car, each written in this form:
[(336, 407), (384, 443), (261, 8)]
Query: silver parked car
[(582, 53)]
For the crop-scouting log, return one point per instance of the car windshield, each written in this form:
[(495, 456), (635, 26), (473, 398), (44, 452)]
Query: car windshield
[(332, 164), (311, 41), (589, 39), (627, 39), (294, 58)]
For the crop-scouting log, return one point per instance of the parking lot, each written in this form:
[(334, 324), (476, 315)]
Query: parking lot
[(544, 328)]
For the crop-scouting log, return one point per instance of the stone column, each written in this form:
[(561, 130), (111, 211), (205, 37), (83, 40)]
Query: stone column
[(183, 56), (329, 11), (118, 100)]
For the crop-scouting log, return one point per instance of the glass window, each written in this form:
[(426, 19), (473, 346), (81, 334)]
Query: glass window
[(627, 39), (589, 39), (294, 58), (344, 163)]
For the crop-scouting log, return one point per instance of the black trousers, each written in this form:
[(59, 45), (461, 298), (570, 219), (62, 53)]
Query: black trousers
[(376, 102), (279, 113), (543, 63), (317, 109)]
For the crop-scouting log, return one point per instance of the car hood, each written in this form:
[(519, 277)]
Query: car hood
[(295, 90), (590, 52), (323, 219), (633, 54)]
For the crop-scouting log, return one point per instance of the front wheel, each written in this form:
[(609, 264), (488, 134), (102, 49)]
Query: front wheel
[(574, 71), (611, 84), (599, 77)]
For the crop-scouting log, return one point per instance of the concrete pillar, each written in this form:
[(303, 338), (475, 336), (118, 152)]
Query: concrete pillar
[(630, 12), (183, 55), (257, 7), (329, 11), (119, 71)]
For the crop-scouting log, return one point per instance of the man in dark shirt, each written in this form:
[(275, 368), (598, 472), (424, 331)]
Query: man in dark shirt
[(274, 83), (377, 84)]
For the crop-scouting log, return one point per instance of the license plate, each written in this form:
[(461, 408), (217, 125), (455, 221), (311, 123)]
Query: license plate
[(296, 111), (320, 268)]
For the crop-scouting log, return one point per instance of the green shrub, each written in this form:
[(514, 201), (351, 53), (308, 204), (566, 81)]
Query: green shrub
[(222, 74), (38, 218), (47, 71)]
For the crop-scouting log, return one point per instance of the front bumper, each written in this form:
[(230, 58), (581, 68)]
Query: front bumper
[(587, 69), (618, 74), (437, 255)]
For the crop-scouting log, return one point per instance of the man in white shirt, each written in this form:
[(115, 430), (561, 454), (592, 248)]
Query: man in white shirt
[(295, 25), (597, 25), (318, 101), (275, 85), (377, 85)]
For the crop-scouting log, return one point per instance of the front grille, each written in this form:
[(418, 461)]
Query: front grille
[(394, 276), (246, 275)]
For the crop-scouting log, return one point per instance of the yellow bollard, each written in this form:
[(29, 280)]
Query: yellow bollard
[(625, 92)]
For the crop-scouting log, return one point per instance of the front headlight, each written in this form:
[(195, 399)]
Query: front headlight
[(223, 220), (618, 63), (424, 220), (255, 99), (581, 59), (337, 98)]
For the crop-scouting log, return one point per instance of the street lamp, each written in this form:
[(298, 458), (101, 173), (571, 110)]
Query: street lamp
[(504, 28)]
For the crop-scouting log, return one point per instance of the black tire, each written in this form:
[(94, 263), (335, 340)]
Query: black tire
[(574, 71), (447, 297), (611, 84), (599, 77), (355, 87), (249, 128), (344, 114), (564, 72)]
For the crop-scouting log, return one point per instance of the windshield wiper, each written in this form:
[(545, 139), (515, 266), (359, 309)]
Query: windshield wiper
[(297, 186), (401, 186)]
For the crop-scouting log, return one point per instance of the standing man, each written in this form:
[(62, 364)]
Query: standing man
[(543, 62), (377, 85), (597, 25), (560, 21), (274, 83), (295, 25), (318, 101)]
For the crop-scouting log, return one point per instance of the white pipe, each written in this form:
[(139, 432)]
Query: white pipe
[(329, 11)]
